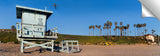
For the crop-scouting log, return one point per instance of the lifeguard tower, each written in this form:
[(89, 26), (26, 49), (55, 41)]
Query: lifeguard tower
[(32, 27)]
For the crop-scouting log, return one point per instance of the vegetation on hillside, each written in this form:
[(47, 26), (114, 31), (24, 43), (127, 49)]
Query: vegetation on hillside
[(8, 37), (83, 40)]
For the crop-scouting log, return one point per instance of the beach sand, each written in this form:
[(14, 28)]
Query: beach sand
[(86, 50)]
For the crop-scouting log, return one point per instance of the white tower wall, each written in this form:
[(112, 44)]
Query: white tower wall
[(33, 24)]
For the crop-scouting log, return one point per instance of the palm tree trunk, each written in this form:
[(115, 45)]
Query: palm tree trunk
[(93, 32), (145, 30), (89, 32), (128, 32), (125, 32), (135, 31), (99, 32), (107, 32), (110, 32), (115, 33), (121, 33), (118, 32)]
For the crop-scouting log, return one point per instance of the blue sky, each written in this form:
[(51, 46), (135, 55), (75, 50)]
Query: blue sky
[(75, 16)]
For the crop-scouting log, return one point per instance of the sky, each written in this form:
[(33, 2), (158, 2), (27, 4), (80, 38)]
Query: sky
[(75, 16)]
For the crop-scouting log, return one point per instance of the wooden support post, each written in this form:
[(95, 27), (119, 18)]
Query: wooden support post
[(72, 45), (52, 45), (22, 46), (62, 46), (78, 46), (67, 47)]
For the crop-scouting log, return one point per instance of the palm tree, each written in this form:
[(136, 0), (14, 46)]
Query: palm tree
[(110, 27), (115, 31), (90, 27), (99, 27), (145, 28), (100, 31), (153, 31), (105, 27), (125, 28), (13, 28), (135, 28), (115, 28), (121, 27), (128, 28), (138, 26), (93, 29), (142, 31), (145, 31)]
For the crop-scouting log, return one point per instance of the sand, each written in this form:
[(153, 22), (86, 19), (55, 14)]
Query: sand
[(86, 50)]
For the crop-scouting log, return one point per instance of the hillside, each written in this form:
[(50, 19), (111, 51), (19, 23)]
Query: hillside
[(100, 40), (8, 37), (89, 40)]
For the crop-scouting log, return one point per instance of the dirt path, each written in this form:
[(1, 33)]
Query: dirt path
[(87, 50)]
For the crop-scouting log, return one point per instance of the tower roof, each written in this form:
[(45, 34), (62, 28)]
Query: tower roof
[(19, 10)]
